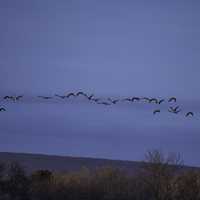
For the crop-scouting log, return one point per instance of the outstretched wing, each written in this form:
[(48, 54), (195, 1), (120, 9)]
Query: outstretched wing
[(156, 111), (70, 94), (162, 100), (172, 99), (189, 113)]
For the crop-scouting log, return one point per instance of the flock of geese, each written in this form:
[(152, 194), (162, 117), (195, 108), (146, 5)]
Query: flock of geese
[(109, 101)]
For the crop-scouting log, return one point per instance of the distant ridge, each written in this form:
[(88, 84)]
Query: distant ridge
[(32, 162)]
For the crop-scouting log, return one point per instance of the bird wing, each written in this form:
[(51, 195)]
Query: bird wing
[(162, 100), (172, 98), (172, 109), (70, 94), (127, 99), (176, 107), (189, 113), (80, 93)]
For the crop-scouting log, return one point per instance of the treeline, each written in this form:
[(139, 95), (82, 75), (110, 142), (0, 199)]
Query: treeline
[(159, 178)]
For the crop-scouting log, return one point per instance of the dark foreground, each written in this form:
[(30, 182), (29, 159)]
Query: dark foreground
[(160, 177)]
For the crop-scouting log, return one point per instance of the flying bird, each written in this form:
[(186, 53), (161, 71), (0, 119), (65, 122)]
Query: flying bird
[(7, 97), (161, 101), (156, 111), (153, 100), (127, 99), (61, 96), (81, 93), (172, 99), (105, 103), (145, 98), (45, 97), (71, 94), (2, 109), (14, 98), (90, 97), (135, 99), (95, 99), (174, 110), (19, 97), (113, 101), (189, 113)]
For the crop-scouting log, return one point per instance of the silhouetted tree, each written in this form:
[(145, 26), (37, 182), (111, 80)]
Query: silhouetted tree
[(187, 185), (17, 183), (41, 185), (157, 175)]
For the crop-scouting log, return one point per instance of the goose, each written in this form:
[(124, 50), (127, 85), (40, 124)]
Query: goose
[(44, 97), (161, 101), (189, 113), (156, 111), (95, 99), (81, 93), (105, 103), (60, 96), (174, 111), (90, 97), (7, 97), (19, 97), (145, 98), (153, 100), (172, 99), (127, 99), (2, 109), (135, 99), (71, 94), (14, 98), (113, 101), (174, 108)]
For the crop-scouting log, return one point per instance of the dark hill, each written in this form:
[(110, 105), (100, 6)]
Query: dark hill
[(33, 162)]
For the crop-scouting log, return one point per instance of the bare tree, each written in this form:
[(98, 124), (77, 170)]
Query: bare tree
[(158, 172)]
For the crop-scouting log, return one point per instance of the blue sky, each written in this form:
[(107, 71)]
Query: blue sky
[(110, 48), (140, 47)]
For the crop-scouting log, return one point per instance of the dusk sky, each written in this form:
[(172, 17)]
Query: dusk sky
[(111, 48)]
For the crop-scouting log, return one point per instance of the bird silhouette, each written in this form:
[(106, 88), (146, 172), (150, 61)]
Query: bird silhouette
[(153, 100), (156, 111), (2, 109), (95, 99), (19, 97), (104, 103), (90, 97), (7, 97), (145, 98), (71, 94), (174, 110), (127, 99), (135, 99), (161, 101), (14, 98), (113, 101), (61, 96), (45, 97), (81, 93), (172, 99), (189, 113)]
